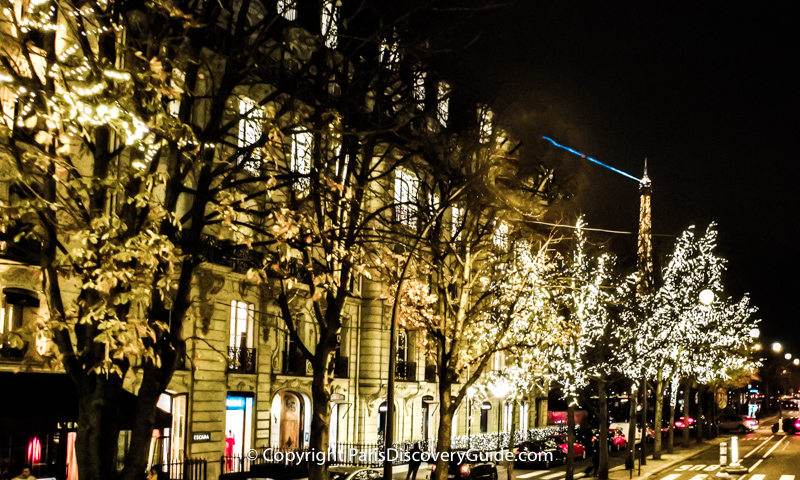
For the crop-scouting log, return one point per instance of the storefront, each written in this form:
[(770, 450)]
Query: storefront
[(39, 420)]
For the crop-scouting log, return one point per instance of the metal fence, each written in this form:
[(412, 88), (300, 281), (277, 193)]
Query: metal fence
[(184, 470)]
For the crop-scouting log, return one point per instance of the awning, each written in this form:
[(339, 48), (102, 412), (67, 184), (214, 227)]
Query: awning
[(42, 401)]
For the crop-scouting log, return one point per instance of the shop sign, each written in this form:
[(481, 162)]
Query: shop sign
[(201, 437)]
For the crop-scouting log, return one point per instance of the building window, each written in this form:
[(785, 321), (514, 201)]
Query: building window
[(457, 220), (500, 238), (485, 407), (176, 81), (508, 416), (302, 143), (20, 307), (288, 9), (250, 129), (498, 361), (241, 354), (390, 52), (443, 103), (406, 193), (419, 89), (485, 117), (330, 23)]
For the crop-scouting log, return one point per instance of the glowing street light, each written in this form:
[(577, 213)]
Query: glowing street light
[(777, 347), (796, 361), (788, 356), (707, 297), (755, 332)]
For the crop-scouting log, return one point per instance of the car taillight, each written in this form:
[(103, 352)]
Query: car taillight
[(516, 452), (679, 424), (464, 470), (797, 424), (433, 468)]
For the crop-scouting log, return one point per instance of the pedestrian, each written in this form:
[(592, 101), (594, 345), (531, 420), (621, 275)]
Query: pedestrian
[(415, 460), (25, 475), (596, 458)]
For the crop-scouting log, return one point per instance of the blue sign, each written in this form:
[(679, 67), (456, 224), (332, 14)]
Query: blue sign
[(235, 403)]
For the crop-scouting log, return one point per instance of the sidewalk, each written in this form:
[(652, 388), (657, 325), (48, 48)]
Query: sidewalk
[(653, 467)]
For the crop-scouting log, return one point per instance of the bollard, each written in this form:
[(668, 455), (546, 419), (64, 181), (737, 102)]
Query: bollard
[(734, 466), (723, 454)]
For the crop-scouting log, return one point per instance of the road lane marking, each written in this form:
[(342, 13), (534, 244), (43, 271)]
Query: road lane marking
[(754, 450), (754, 465), (532, 474), (774, 447), (672, 477), (787, 477), (699, 477), (557, 474), (758, 477)]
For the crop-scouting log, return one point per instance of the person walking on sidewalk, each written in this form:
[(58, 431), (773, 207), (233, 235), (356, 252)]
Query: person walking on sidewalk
[(415, 460)]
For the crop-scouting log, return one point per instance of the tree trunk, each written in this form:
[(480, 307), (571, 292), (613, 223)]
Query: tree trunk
[(445, 430), (602, 412), (642, 456), (570, 441), (659, 413), (671, 441), (699, 420), (631, 435), (321, 416), (98, 427), (686, 389)]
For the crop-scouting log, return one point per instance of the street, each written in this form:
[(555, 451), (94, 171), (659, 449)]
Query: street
[(764, 455)]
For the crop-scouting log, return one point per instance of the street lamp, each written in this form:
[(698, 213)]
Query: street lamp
[(755, 332), (707, 297), (796, 361), (777, 347), (788, 356)]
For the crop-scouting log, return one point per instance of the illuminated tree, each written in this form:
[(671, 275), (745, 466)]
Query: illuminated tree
[(480, 265)]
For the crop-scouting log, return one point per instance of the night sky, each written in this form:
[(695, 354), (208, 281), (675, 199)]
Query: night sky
[(708, 93)]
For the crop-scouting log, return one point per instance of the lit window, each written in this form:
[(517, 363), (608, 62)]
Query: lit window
[(501, 235), (406, 192), (288, 9), (457, 219), (443, 103), (176, 82), (390, 53), (485, 117), (330, 23), (241, 325), (250, 125), (419, 89), (301, 158)]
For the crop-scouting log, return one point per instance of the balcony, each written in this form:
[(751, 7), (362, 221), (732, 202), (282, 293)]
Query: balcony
[(406, 371), (241, 360), (294, 364), (430, 373)]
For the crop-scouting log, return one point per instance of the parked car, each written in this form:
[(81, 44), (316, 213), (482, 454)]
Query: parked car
[(740, 423), (561, 440), (354, 473), (790, 425), (539, 453), (462, 468), (624, 426)]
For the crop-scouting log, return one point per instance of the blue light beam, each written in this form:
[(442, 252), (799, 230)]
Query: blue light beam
[(573, 151)]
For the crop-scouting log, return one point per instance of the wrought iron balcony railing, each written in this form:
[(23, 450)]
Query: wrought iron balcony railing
[(241, 360), (406, 371)]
